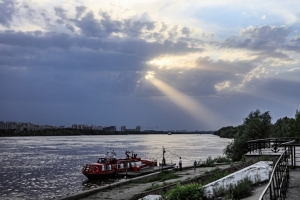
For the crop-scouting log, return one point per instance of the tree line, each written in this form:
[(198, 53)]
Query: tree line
[(257, 125), (58, 132)]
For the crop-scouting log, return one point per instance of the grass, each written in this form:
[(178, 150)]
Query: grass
[(222, 159), (215, 176), (211, 161), (241, 190), (188, 192)]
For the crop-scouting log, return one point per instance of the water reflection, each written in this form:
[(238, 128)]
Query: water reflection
[(50, 167)]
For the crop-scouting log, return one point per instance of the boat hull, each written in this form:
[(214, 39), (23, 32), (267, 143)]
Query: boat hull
[(100, 176), (110, 167)]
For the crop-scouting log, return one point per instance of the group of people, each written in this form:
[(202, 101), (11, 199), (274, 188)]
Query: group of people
[(180, 164)]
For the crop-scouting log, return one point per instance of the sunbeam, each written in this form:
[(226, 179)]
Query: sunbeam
[(199, 112)]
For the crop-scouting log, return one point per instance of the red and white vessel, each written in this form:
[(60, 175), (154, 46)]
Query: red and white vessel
[(109, 166)]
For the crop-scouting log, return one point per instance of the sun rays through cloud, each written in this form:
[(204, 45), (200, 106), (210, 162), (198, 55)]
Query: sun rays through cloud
[(190, 106)]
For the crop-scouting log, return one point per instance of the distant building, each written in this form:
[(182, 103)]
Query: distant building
[(21, 126), (100, 128), (123, 128), (2, 125), (110, 128), (138, 128), (81, 126), (74, 126)]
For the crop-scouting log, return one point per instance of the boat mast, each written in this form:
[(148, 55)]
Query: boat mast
[(163, 160)]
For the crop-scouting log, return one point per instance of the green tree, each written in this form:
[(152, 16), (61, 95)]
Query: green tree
[(256, 126), (282, 128)]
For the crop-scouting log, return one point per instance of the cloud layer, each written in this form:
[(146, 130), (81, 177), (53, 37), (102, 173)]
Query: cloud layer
[(77, 63)]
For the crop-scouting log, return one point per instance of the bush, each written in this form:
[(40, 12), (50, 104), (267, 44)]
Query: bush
[(209, 162), (241, 190), (222, 159), (216, 176), (187, 192)]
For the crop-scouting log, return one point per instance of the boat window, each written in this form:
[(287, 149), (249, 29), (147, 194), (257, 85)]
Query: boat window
[(107, 167), (102, 160)]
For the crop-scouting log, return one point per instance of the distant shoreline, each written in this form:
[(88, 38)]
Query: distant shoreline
[(79, 132)]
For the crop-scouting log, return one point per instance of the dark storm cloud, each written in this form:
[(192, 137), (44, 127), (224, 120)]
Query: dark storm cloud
[(63, 50), (134, 28), (36, 39), (62, 13), (7, 10), (200, 80), (260, 38), (276, 88), (79, 11), (30, 13), (92, 27), (224, 67), (267, 33), (294, 44), (185, 31)]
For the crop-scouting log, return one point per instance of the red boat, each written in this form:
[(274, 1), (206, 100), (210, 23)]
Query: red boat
[(109, 166)]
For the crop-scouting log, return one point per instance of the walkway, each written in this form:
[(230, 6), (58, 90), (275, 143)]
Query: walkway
[(126, 191), (294, 186)]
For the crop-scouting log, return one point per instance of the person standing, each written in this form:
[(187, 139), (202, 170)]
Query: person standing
[(195, 165), (180, 164)]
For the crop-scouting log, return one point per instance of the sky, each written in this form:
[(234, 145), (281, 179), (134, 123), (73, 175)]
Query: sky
[(162, 65)]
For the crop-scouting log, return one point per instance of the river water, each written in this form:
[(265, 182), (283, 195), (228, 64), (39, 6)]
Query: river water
[(50, 167)]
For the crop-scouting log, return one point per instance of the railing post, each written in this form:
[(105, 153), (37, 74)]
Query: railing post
[(294, 156), (270, 188)]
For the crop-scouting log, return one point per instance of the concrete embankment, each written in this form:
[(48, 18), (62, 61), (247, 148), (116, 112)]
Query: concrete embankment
[(106, 187), (128, 188)]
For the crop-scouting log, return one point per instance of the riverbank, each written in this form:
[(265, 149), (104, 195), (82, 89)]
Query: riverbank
[(50, 167), (78, 132), (130, 189)]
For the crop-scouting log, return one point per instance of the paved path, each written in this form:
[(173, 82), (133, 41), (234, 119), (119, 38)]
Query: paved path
[(126, 191), (256, 192), (294, 186)]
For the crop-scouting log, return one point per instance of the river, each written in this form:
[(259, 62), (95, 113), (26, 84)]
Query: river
[(50, 167)]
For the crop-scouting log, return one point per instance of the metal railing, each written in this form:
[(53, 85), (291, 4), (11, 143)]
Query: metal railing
[(275, 145), (255, 146), (279, 180)]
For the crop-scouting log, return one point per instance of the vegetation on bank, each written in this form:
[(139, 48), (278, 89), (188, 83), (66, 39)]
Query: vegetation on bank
[(193, 191), (240, 190), (212, 161), (257, 125), (189, 192)]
